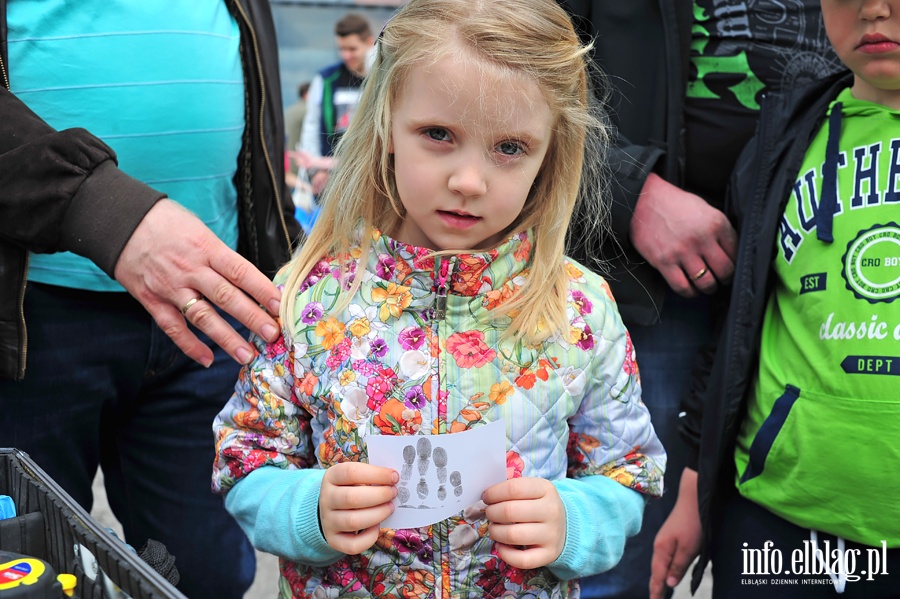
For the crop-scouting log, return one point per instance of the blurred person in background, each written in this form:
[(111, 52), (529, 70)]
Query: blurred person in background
[(334, 93), (294, 116)]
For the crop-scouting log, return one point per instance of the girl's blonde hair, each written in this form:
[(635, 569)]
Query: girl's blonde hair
[(531, 38)]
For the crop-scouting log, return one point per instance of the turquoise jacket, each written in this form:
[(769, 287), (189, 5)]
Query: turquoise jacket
[(418, 351)]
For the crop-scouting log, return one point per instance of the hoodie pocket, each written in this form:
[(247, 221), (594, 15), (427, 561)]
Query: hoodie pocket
[(829, 462), (768, 432)]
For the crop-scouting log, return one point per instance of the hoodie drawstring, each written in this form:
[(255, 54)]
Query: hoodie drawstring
[(829, 199), (839, 579)]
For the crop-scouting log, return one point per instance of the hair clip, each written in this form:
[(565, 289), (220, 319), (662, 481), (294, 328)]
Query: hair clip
[(391, 18)]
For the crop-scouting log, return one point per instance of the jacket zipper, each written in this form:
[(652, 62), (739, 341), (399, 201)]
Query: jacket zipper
[(262, 106), (3, 71), (23, 353), (24, 347), (443, 268)]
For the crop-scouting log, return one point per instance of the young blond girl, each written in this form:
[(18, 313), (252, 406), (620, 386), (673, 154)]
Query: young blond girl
[(432, 297)]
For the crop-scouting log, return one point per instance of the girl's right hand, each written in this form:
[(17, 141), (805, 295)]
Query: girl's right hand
[(355, 499)]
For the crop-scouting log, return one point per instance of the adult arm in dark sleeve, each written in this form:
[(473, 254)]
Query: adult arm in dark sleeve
[(60, 189), (63, 191), (626, 165), (629, 164)]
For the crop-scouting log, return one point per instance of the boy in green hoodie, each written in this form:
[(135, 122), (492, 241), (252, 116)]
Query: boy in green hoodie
[(797, 449)]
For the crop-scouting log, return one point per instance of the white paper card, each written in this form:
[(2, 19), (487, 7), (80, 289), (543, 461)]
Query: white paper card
[(440, 475)]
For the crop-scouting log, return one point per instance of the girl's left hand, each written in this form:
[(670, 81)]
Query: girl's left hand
[(527, 521)]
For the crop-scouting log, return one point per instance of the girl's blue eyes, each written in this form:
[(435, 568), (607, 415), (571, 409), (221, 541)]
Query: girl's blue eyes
[(437, 134), (508, 148)]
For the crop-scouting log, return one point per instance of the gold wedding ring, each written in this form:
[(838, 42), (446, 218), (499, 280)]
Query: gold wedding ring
[(699, 274), (194, 300)]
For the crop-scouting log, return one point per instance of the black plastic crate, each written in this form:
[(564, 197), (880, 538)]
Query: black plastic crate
[(51, 526)]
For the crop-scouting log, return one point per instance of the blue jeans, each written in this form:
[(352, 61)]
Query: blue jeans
[(665, 355), (105, 386)]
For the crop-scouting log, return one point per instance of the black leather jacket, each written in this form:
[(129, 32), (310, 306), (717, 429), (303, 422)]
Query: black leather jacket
[(62, 190)]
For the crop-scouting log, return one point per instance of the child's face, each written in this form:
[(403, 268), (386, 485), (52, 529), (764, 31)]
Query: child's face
[(467, 148), (866, 36)]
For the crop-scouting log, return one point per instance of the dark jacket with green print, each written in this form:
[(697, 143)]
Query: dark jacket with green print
[(62, 190), (760, 187)]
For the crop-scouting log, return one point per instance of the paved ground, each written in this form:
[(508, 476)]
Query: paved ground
[(265, 586)]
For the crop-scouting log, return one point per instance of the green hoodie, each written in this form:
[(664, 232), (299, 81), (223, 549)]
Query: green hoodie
[(820, 442)]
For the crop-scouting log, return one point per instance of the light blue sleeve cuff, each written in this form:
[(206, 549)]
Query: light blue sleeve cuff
[(600, 514), (278, 510)]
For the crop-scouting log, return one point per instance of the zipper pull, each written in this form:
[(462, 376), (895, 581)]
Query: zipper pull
[(442, 267), (440, 303)]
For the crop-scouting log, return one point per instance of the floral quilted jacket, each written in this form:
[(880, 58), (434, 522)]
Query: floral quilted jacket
[(417, 351)]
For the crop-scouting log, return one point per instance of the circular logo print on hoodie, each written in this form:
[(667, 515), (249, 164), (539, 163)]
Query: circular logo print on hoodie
[(872, 264)]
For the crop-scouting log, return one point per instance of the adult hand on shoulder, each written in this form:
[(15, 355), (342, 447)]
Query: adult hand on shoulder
[(527, 521), (678, 541), (355, 499), (688, 241), (171, 259)]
